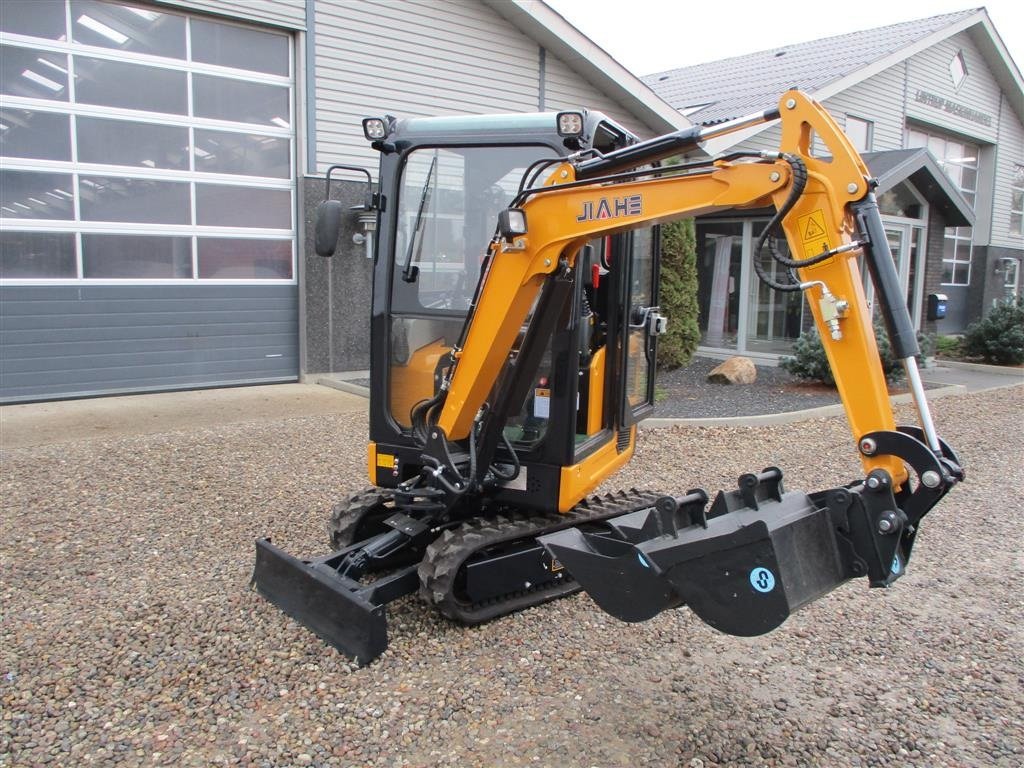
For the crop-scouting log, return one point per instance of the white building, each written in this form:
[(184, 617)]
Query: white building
[(945, 84), (160, 162)]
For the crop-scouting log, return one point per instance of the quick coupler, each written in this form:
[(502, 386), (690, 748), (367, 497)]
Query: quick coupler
[(755, 557)]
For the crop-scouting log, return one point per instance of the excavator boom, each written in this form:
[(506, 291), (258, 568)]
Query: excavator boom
[(824, 206)]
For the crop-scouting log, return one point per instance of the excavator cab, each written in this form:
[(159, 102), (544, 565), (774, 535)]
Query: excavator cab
[(441, 194), (514, 327)]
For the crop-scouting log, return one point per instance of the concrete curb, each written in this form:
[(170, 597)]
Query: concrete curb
[(1003, 370), (343, 382), (1012, 376), (345, 386), (761, 420)]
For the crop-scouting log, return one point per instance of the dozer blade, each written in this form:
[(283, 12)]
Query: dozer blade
[(760, 555), (346, 614)]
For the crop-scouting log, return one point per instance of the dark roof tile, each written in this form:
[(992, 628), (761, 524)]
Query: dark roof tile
[(744, 84)]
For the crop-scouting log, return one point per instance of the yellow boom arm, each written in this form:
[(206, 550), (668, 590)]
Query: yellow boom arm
[(562, 219)]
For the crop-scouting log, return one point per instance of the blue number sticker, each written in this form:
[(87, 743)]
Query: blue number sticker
[(896, 565), (762, 580)]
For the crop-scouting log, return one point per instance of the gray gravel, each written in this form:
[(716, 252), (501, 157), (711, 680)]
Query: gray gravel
[(129, 637), (686, 393)]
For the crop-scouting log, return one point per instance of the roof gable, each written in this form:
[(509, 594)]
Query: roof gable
[(542, 23), (919, 166), (721, 90)]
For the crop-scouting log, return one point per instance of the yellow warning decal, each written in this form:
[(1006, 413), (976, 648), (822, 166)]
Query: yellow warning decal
[(813, 233), (814, 228), (385, 460)]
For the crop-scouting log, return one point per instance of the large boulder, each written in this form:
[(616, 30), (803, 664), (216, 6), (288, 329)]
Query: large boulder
[(735, 370)]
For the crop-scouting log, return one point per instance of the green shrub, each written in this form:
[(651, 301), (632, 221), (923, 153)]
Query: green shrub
[(999, 336), (810, 363), (948, 346), (678, 294)]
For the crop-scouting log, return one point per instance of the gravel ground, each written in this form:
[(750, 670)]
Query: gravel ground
[(129, 636), (686, 393)]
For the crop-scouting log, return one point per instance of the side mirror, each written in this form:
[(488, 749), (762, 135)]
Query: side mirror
[(328, 227), (328, 213)]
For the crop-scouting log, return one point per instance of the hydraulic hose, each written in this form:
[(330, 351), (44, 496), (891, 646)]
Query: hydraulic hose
[(420, 416), (515, 463), (768, 234)]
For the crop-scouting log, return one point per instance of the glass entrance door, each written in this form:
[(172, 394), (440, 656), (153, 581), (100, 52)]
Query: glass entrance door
[(1011, 279), (719, 271), (906, 242), (775, 318)]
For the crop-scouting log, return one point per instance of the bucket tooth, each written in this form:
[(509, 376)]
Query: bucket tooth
[(614, 573)]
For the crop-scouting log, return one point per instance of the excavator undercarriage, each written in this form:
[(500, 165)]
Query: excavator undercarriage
[(742, 564), (510, 368), (485, 567)]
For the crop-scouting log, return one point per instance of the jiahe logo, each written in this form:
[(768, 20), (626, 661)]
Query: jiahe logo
[(618, 206)]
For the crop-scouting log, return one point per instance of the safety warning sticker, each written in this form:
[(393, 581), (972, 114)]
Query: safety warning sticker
[(814, 229), (813, 233), (542, 403)]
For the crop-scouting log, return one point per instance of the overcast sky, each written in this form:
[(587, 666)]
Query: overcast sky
[(648, 36)]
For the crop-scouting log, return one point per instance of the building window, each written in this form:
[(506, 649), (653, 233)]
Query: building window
[(860, 132), (143, 145), (1011, 278), (959, 160), (1017, 201), (958, 70)]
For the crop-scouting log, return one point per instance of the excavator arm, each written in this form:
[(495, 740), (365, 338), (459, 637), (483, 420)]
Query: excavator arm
[(759, 553), (826, 210)]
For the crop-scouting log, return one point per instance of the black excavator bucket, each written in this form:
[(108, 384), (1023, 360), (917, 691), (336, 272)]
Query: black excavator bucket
[(346, 613), (759, 555)]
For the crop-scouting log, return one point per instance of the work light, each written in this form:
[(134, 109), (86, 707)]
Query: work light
[(512, 223), (374, 128), (570, 124)]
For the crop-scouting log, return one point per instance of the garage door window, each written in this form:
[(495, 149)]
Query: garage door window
[(140, 145)]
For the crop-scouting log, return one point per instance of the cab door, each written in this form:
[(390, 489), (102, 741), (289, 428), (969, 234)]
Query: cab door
[(642, 323)]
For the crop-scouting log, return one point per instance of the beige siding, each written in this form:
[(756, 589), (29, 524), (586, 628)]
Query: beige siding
[(878, 99), (566, 89), (1010, 152), (413, 59), (928, 72), (765, 141), (283, 13)]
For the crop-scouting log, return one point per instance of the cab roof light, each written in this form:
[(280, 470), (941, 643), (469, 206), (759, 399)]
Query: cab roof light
[(570, 124), (375, 128)]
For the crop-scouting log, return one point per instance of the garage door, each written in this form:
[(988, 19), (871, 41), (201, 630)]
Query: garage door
[(147, 201)]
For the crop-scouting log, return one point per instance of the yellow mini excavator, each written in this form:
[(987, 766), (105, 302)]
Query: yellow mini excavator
[(514, 323)]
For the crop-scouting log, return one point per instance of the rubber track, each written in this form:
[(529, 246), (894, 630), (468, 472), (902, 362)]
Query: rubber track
[(348, 515), (446, 555)]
